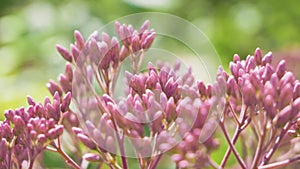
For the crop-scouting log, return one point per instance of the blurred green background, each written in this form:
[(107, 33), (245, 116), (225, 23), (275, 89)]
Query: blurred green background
[(29, 30)]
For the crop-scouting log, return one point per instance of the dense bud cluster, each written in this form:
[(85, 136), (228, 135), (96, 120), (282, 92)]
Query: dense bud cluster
[(265, 88), (265, 97), (28, 131)]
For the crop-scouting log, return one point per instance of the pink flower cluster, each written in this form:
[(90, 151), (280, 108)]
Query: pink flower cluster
[(28, 131), (163, 111)]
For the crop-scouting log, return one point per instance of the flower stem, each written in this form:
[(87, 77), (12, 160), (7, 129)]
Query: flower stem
[(233, 149), (213, 164), (262, 135), (277, 143), (234, 139), (156, 161), (239, 129), (122, 149), (280, 163), (68, 159)]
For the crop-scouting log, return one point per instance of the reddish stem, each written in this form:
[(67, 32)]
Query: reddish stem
[(156, 161), (237, 133), (280, 163), (277, 143), (122, 149), (233, 149), (261, 140), (68, 159), (234, 139)]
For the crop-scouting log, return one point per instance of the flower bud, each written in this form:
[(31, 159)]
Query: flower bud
[(170, 87), (209, 91), (286, 96), (288, 77), (135, 43), (117, 27), (77, 130), (69, 72), (51, 111), (115, 48), (41, 138), (146, 149), (125, 35), (66, 102), (3, 149), (281, 68), (163, 100), (236, 58), (19, 122), (65, 84), (30, 101), (9, 114), (249, 94), (274, 81), (156, 125), (183, 164), (151, 82), (145, 26), (32, 134), (91, 157), (97, 136), (268, 72), (110, 144), (89, 126), (250, 64), (53, 87), (86, 141), (296, 91), (241, 72), (148, 41), (177, 65), (165, 147), (232, 87), (233, 69), (170, 111), (94, 52), (202, 89), (54, 133), (64, 53), (123, 53), (295, 108), (284, 115), (269, 106), (176, 158), (106, 38), (42, 127), (258, 56), (47, 101), (75, 51), (267, 58), (79, 41)]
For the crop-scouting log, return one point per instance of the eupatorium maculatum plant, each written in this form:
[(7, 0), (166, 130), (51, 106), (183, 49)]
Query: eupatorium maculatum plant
[(164, 111)]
